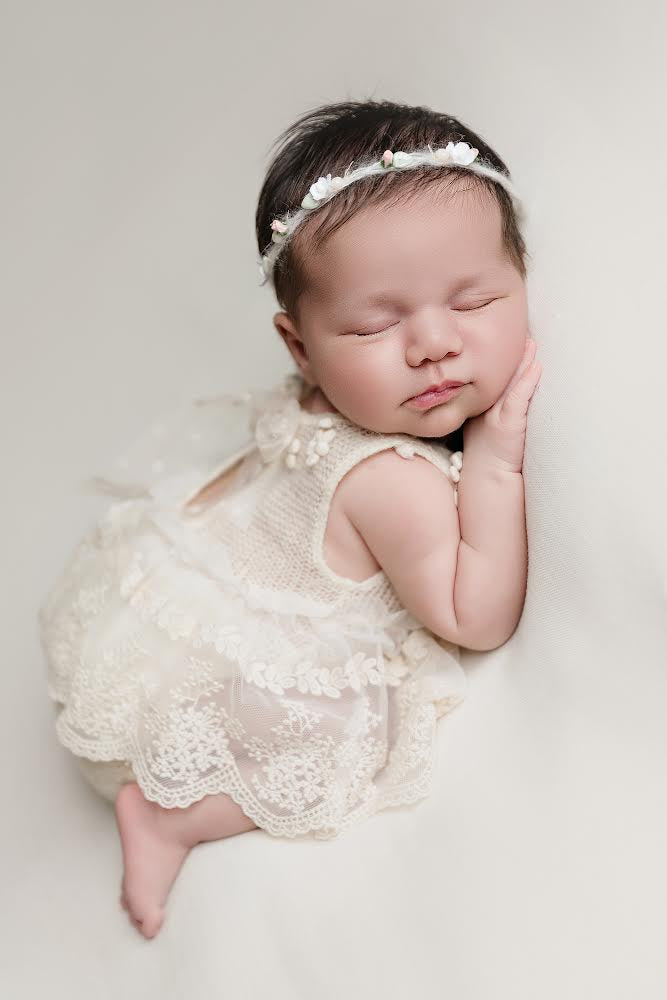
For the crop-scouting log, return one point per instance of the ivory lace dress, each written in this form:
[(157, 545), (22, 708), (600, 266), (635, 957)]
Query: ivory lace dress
[(210, 650)]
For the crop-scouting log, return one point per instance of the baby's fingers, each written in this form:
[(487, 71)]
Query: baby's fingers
[(519, 394), (532, 375), (529, 350)]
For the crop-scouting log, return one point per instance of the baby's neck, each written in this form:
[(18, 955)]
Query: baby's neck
[(314, 401)]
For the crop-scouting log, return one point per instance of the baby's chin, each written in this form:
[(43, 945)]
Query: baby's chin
[(439, 434), (433, 430), (438, 421)]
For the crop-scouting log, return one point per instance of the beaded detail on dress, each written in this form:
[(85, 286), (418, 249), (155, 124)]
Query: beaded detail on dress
[(214, 650), (276, 430)]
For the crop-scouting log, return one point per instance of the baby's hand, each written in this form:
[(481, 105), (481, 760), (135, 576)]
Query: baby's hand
[(499, 434)]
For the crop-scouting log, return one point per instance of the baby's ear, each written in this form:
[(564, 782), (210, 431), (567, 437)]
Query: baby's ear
[(288, 330)]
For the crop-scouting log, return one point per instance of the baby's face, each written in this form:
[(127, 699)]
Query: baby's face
[(429, 285)]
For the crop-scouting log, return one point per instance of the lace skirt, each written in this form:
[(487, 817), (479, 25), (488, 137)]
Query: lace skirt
[(162, 692)]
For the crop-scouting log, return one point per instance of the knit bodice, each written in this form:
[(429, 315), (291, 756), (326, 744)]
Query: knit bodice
[(269, 529)]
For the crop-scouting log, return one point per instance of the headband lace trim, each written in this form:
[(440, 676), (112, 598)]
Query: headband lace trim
[(459, 154)]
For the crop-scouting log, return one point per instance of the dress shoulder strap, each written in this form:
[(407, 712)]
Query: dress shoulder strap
[(354, 444)]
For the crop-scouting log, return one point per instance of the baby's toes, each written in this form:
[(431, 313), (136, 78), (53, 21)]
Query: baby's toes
[(152, 922), (146, 916)]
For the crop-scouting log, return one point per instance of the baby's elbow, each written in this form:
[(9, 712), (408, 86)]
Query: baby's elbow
[(478, 640), (486, 645), (482, 636), (479, 644)]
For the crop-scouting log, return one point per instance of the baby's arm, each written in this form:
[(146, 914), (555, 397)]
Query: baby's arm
[(492, 565), (463, 572), (493, 555), (405, 512)]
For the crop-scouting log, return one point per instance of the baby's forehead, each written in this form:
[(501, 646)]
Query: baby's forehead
[(428, 224), (387, 280), (383, 246)]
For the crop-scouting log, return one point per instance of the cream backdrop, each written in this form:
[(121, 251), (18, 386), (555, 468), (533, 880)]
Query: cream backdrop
[(134, 139)]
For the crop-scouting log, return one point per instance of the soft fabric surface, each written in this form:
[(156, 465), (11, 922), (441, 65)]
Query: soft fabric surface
[(536, 869)]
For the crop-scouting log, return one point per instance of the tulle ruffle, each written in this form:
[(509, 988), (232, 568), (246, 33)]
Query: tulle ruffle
[(190, 442)]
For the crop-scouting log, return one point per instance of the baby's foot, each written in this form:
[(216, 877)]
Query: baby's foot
[(152, 859)]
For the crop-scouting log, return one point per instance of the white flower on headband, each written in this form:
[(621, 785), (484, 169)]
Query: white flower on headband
[(460, 153), (323, 188), (398, 159)]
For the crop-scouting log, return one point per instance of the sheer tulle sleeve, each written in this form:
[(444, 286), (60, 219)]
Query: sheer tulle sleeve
[(190, 440)]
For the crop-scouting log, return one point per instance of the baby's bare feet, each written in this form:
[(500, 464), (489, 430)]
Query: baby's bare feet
[(152, 858)]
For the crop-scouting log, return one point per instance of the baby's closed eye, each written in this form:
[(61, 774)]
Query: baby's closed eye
[(405, 512)]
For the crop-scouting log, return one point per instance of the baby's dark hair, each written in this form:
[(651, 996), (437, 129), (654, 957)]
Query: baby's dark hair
[(329, 139)]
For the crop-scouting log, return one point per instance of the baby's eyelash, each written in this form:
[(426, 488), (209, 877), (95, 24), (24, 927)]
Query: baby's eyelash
[(373, 333), (473, 308)]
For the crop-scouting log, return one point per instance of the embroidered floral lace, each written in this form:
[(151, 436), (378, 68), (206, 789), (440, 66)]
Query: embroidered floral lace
[(212, 649)]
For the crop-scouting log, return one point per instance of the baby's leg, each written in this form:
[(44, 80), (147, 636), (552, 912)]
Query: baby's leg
[(156, 842)]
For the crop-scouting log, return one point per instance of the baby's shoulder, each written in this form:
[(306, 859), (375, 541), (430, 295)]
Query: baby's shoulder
[(420, 473), (405, 513)]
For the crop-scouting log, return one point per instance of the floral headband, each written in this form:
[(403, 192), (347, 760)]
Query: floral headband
[(458, 154)]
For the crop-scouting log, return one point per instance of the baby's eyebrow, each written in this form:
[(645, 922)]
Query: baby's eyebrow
[(378, 299), (385, 298)]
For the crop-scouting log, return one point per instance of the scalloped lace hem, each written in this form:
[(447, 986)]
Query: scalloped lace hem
[(313, 824), (325, 821)]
